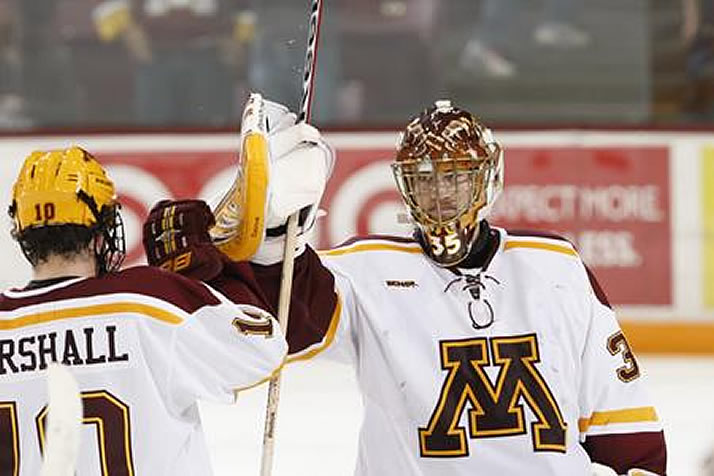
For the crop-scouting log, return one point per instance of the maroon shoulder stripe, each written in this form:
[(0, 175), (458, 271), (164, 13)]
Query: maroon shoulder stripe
[(182, 292), (537, 234), (395, 239), (597, 289)]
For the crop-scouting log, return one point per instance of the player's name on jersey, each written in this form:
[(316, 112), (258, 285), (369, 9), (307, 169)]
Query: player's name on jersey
[(85, 346)]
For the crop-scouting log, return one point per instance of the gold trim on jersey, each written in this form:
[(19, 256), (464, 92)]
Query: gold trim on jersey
[(168, 238), (510, 244), (628, 415), (12, 411), (496, 408), (91, 311), (260, 382), (371, 247), (329, 336)]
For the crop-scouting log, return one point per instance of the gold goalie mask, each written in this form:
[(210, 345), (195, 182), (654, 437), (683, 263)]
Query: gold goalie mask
[(449, 171)]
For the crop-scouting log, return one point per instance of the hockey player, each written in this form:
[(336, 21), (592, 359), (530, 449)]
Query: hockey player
[(144, 344), (477, 350)]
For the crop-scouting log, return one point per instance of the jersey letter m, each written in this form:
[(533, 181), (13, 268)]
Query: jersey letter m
[(494, 410)]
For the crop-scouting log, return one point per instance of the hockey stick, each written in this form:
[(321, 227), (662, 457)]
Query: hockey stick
[(64, 423), (286, 278)]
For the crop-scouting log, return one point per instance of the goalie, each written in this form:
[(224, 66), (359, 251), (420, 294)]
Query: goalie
[(478, 350)]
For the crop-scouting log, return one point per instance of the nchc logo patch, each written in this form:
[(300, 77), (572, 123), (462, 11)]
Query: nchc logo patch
[(495, 409)]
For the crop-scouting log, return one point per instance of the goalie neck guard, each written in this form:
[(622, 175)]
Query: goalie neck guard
[(68, 187), (449, 171)]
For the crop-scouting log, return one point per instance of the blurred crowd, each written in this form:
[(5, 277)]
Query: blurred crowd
[(174, 63)]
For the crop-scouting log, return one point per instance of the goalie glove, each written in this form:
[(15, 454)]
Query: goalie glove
[(301, 163), (240, 213), (175, 238)]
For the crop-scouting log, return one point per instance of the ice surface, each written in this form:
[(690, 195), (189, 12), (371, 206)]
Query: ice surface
[(320, 414)]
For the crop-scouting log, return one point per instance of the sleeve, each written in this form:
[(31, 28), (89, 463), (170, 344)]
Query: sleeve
[(320, 305), (221, 349), (343, 345), (618, 424)]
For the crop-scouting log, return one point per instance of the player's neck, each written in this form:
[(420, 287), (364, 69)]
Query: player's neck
[(56, 266)]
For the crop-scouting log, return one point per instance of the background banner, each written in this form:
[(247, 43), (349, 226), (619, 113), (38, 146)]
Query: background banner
[(707, 168), (613, 203), (628, 201)]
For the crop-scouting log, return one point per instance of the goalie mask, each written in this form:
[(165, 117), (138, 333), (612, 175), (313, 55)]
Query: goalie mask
[(449, 171), (68, 187)]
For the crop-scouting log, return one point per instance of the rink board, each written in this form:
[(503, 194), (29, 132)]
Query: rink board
[(639, 206)]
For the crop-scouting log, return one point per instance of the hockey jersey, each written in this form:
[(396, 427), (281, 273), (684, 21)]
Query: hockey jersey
[(518, 367), (144, 345)]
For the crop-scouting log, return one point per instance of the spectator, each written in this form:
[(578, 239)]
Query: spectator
[(496, 34), (698, 40), (391, 44), (278, 55), (11, 103), (47, 82), (97, 67), (185, 57)]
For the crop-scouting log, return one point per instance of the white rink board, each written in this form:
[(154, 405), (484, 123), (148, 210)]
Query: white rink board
[(320, 412), (685, 193)]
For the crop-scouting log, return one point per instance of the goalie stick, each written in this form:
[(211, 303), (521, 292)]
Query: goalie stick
[(64, 423), (286, 278)]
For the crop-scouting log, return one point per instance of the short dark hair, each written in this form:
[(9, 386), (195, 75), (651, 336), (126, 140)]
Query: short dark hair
[(38, 244)]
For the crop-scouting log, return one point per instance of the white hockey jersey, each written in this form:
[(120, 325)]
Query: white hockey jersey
[(522, 369), (144, 345)]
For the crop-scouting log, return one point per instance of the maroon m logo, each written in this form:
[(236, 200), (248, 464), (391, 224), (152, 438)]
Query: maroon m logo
[(495, 410)]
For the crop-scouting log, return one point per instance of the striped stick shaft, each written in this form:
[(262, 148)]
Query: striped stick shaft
[(286, 280), (308, 79)]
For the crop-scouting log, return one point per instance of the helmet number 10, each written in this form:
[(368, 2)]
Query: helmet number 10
[(44, 212)]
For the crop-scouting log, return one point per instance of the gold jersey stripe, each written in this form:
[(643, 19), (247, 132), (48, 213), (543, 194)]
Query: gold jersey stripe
[(370, 247), (166, 224), (629, 415), (96, 310), (329, 336), (273, 374), (540, 246)]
